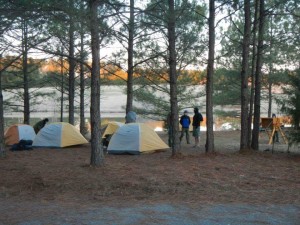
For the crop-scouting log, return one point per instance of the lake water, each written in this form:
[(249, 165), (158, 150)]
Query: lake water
[(113, 102)]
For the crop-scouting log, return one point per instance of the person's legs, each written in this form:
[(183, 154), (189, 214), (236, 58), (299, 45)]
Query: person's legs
[(187, 135), (196, 134), (276, 136), (182, 134), (196, 142)]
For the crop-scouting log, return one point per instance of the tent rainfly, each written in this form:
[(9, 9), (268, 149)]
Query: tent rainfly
[(59, 135), (111, 128), (135, 138), (18, 132)]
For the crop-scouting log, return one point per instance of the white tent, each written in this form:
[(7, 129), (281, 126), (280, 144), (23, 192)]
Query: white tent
[(135, 138)]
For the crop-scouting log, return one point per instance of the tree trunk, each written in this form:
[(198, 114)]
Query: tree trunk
[(97, 157), (72, 65), (270, 83), (129, 103), (244, 78), (25, 71), (269, 98), (62, 87), (209, 146), (253, 65), (173, 79), (2, 144), (82, 83), (258, 75)]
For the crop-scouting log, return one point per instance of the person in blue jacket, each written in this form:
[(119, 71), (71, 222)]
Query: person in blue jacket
[(185, 122)]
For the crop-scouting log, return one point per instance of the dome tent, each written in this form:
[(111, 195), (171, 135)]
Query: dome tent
[(111, 128), (18, 132), (135, 138), (59, 135)]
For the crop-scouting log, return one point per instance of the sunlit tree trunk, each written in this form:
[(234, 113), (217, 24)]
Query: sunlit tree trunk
[(173, 78), (209, 146), (97, 157), (129, 103), (244, 78), (258, 75)]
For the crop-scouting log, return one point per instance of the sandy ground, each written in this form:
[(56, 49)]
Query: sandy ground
[(57, 186)]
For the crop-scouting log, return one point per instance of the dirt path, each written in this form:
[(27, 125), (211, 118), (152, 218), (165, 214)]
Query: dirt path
[(36, 213)]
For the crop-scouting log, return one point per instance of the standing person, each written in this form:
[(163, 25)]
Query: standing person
[(39, 125), (197, 119), (275, 126), (185, 122)]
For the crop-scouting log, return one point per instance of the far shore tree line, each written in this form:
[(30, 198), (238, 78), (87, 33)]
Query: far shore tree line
[(47, 73), (243, 46)]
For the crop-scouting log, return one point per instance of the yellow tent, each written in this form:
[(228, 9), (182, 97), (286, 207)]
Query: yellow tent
[(135, 138), (58, 135), (112, 127)]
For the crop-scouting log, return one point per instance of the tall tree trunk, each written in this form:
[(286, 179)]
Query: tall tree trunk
[(296, 107), (253, 65), (97, 157), (173, 79), (82, 83), (25, 71), (131, 28), (2, 144), (258, 75), (209, 146), (244, 78), (62, 87), (270, 83), (72, 65), (269, 98)]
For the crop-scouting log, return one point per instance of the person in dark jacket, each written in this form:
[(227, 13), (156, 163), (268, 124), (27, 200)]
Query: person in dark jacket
[(185, 122), (197, 119), (39, 125)]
